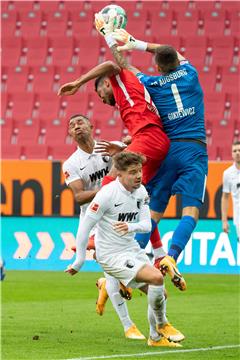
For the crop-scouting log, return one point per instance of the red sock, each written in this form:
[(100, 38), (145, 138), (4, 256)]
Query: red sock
[(107, 179), (155, 239)]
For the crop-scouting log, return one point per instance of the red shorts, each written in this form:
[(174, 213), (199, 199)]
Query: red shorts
[(154, 144)]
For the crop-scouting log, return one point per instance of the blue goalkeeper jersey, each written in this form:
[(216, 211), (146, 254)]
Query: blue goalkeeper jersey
[(178, 97)]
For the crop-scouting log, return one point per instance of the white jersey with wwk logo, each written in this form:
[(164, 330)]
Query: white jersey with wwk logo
[(89, 168), (114, 203)]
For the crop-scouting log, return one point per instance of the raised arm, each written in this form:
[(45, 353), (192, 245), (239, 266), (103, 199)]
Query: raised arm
[(133, 44), (107, 68), (106, 30)]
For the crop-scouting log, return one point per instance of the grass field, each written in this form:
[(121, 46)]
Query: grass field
[(61, 311)]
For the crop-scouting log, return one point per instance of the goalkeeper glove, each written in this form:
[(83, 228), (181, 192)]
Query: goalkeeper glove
[(130, 42), (106, 29)]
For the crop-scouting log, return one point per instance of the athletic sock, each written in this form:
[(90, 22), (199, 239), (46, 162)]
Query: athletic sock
[(181, 236), (119, 304), (156, 300), (152, 325), (107, 179)]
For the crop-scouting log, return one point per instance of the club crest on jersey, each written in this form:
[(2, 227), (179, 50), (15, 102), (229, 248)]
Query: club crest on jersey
[(66, 174), (138, 204), (129, 264), (94, 207), (105, 159)]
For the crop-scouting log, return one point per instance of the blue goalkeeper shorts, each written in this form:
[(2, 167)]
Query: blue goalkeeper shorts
[(183, 171)]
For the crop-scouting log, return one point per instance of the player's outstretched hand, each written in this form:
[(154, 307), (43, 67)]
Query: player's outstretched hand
[(107, 148), (121, 228), (68, 88), (126, 38), (101, 26), (70, 270)]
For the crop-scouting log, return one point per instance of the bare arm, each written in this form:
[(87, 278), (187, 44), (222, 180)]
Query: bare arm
[(152, 48), (122, 61), (80, 195), (224, 209), (107, 68)]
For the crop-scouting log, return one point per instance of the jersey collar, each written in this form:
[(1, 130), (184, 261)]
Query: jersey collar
[(86, 155)]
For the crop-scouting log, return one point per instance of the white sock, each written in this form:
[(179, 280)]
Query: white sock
[(156, 300), (119, 304), (159, 252), (152, 325)]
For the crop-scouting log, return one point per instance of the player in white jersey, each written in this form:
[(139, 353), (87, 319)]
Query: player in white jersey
[(84, 171), (118, 211), (231, 184)]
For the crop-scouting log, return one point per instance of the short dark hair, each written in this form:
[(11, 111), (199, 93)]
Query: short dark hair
[(80, 115), (125, 159), (237, 142), (98, 81), (166, 58)]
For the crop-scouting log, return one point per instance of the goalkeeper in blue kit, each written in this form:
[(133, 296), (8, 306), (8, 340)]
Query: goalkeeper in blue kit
[(178, 96)]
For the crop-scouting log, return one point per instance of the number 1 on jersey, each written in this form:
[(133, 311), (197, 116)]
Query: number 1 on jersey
[(177, 97)]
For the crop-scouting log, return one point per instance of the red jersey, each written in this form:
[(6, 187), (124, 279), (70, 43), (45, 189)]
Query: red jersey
[(136, 107)]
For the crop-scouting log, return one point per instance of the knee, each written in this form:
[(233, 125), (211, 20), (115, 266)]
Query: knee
[(157, 278)]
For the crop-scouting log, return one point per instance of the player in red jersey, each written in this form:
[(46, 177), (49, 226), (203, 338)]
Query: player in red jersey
[(139, 114)]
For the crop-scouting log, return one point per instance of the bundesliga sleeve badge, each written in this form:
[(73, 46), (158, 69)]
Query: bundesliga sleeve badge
[(94, 207)]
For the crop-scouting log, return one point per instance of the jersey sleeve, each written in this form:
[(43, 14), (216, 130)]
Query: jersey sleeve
[(147, 80), (144, 224), (226, 183), (70, 173), (100, 204)]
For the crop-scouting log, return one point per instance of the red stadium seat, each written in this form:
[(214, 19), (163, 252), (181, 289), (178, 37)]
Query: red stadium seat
[(27, 132), (61, 51), (11, 51), (36, 50), (17, 80), (56, 23), (12, 151), (30, 23), (187, 23), (43, 79), (82, 23), (6, 131), (61, 152), (20, 106), (88, 49), (161, 25), (230, 81), (48, 106), (8, 25), (35, 151)]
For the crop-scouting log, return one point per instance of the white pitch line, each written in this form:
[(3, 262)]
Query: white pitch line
[(157, 353)]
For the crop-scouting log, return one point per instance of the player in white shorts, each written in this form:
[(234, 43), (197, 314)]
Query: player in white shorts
[(84, 171), (119, 210), (231, 184)]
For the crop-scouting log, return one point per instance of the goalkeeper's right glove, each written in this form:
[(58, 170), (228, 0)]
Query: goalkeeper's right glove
[(130, 42)]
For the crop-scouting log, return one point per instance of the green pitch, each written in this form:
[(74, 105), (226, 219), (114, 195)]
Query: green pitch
[(58, 311)]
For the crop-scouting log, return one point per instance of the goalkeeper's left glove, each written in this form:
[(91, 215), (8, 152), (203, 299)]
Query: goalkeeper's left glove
[(130, 42), (106, 29)]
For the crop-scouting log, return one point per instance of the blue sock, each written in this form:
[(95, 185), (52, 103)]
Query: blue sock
[(181, 236), (143, 238)]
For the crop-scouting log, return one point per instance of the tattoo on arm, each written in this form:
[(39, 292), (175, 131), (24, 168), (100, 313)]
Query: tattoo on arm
[(122, 61), (118, 56)]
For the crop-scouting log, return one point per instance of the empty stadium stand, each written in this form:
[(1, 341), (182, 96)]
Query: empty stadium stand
[(45, 44)]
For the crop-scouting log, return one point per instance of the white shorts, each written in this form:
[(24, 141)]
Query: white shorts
[(125, 266)]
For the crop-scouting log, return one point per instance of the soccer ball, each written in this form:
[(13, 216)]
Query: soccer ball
[(120, 20)]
